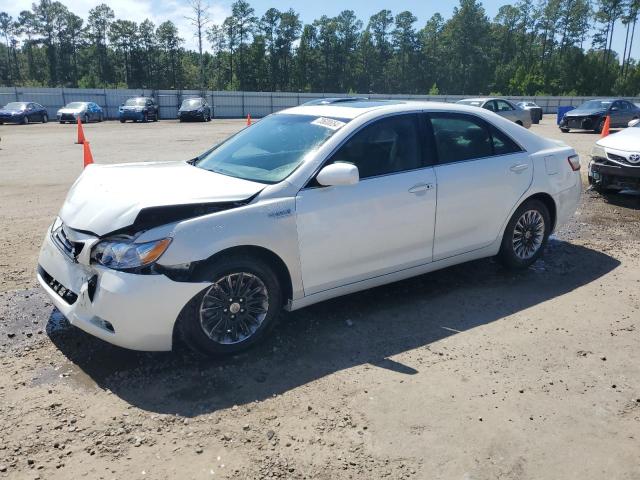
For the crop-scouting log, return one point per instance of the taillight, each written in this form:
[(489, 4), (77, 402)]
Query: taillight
[(574, 162)]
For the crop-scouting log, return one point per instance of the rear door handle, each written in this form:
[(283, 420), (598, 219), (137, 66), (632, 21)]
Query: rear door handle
[(519, 167), (421, 187)]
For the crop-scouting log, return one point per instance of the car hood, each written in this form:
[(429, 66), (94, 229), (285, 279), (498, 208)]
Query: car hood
[(132, 107), (106, 198), (5, 111), (584, 112), (627, 140)]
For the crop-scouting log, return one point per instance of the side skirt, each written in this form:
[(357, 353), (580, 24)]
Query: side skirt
[(489, 251)]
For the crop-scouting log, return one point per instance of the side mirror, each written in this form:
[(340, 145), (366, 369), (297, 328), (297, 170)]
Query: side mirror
[(633, 122), (614, 109), (338, 174)]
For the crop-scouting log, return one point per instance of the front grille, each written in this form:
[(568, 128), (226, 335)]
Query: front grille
[(67, 117), (63, 292), (69, 248), (623, 160)]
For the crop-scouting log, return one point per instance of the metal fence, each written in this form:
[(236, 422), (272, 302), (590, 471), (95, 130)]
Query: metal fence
[(226, 104)]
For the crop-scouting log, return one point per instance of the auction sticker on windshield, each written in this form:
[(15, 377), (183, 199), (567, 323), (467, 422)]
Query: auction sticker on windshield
[(330, 123)]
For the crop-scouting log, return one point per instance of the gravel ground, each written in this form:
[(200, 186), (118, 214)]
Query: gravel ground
[(468, 373)]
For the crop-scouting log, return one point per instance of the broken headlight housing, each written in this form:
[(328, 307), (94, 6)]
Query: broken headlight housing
[(122, 253)]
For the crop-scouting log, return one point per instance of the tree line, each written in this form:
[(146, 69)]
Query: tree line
[(555, 47)]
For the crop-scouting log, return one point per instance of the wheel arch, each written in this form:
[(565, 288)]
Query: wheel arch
[(548, 202), (264, 254)]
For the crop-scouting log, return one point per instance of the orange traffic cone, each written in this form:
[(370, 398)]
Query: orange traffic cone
[(88, 158), (605, 129), (249, 120), (81, 138)]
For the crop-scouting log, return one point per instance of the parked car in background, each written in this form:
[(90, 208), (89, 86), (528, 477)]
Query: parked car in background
[(502, 107), (615, 161), (86, 111), (194, 109), (23, 112), (308, 204), (591, 115), (139, 109), (534, 109)]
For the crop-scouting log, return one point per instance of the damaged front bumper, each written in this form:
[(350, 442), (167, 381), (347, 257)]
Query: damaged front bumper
[(604, 173), (126, 309), (580, 123)]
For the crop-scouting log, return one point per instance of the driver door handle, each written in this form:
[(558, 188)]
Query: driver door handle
[(519, 167), (421, 187)]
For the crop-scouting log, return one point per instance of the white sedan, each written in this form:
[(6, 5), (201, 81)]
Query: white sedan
[(310, 203)]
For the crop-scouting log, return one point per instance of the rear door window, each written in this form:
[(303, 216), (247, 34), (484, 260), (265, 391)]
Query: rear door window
[(461, 137), (503, 106)]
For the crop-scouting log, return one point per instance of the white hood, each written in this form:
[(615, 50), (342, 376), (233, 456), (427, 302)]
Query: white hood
[(106, 198), (627, 140)]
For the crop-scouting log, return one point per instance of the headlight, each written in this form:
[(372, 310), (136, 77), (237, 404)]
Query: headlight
[(124, 254), (598, 151)]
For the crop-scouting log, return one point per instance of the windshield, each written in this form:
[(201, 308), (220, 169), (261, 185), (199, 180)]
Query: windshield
[(474, 103), (191, 102), (133, 102), (595, 105), (75, 105), (15, 106), (268, 151)]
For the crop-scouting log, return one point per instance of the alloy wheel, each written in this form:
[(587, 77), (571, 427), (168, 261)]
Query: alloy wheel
[(528, 234), (233, 308)]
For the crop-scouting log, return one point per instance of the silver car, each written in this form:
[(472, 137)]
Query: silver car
[(502, 107)]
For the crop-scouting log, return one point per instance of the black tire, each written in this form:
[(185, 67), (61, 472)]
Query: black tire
[(189, 323), (85, 119), (45, 118), (122, 120), (155, 117), (101, 118), (564, 130), (25, 120), (507, 254), (600, 126), (145, 117), (518, 122)]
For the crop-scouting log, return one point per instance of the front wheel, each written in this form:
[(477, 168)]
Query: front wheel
[(25, 120), (237, 311), (526, 235), (45, 118), (600, 126), (564, 130)]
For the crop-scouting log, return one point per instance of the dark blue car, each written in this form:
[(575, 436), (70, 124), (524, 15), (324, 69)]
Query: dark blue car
[(591, 115), (23, 112), (139, 109)]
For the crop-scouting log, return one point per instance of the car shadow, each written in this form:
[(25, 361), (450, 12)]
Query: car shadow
[(362, 328), (624, 198)]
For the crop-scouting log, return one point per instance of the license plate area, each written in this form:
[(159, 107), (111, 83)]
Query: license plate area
[(63, 292)]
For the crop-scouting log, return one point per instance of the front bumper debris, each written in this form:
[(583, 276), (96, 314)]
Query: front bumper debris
[(129, 310)]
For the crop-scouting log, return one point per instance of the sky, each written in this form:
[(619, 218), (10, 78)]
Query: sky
[(176, 10)]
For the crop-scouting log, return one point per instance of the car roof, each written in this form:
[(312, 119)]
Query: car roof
[(351, 110)]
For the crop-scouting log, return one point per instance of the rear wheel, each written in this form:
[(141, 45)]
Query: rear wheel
[(237, 311), (526, 235)]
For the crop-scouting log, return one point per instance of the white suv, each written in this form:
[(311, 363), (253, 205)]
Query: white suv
[(308, 204)]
